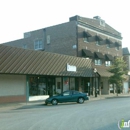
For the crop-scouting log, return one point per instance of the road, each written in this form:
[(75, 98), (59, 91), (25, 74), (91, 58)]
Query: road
[(92, 115)]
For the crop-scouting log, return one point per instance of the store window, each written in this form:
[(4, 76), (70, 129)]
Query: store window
[(58, 85), (37, 86), (72, 83), (65, 83)]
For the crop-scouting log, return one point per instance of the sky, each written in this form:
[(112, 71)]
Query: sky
[(20, 16)]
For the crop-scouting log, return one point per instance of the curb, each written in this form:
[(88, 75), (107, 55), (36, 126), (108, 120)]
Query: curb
[(10, 106)]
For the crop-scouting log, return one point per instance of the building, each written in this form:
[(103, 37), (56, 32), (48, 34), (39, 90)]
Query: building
[(126, 56), (28, 75), (80, 37)]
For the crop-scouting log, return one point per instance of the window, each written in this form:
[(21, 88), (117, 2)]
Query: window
[(67, 93), (37, 86), (117, 48), (86, 39), (108, 45), (98, 43), (38, 45), (48, 39), (75, 92), (98, 62), (108, 63), (74, 46)]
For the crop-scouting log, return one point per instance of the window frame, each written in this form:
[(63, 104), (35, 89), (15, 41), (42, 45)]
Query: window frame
[(108, 45), (98, 61), (108, 63), (117, 48), (38, 44), (86, 39), (98, 43)]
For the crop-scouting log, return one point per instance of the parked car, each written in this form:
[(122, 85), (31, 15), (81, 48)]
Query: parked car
[(67, 96)]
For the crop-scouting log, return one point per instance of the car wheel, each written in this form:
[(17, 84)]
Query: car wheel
[(54, 102), (80, 100)]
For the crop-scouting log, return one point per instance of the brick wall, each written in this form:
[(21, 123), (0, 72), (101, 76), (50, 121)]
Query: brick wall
[(62, 38), (27, 41), (95, 48)]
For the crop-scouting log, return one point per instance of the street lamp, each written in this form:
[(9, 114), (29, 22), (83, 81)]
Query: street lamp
[(95, 71)]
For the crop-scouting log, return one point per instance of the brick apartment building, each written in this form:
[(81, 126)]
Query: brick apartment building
[(126, 56), (80, 37)]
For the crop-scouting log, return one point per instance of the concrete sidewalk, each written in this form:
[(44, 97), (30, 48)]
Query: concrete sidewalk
[(11, 106), (99, 97)]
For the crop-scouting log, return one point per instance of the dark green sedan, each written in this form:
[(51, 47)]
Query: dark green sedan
[(67, 96)]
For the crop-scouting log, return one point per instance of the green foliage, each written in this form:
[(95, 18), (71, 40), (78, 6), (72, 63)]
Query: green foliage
[(118, 69)]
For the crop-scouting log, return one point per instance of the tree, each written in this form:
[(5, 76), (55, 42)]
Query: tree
[(119, 70)]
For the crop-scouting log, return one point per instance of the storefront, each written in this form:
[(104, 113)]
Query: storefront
[(35, 75), (41, 87)]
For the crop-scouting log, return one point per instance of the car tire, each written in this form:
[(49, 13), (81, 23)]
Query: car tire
[(54, 102), (80, 100)]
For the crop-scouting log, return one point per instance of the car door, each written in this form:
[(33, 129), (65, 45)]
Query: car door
[(66, 96), (75, 96)]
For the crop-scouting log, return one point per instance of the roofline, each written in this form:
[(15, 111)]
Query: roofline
[(99, 30)]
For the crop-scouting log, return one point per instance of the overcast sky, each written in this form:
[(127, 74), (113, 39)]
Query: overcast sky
[(19, 16)]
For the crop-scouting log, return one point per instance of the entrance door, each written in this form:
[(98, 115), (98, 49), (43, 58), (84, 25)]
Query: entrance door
[(87, 85), (51, 86)]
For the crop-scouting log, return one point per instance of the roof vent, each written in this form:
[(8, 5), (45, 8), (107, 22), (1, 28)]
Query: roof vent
[(96, 17), (102, 22)]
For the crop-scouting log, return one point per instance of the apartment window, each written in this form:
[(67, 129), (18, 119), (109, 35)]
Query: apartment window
[(38, 45), (74, 46), (98, 62), (117, 48), (108, 63), (86, 39), (98, 43), (48, 39), (108, 45)]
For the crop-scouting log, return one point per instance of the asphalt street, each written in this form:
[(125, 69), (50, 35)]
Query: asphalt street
[(92, 115)]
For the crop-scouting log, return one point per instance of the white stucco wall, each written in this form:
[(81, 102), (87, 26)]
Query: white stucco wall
[(12, 85), (125, 87), (105, 89)]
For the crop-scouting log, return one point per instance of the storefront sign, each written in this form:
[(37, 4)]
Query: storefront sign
[(71, 68)]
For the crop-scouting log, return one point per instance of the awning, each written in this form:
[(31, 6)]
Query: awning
[(87, 34), (109, 57), (103, 72), (92, 39), (99, 55), (95, 38), (98, 38), (87, 53), (103, 42), (111, 45), (108, 41), (29, 62), (117, 44)]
